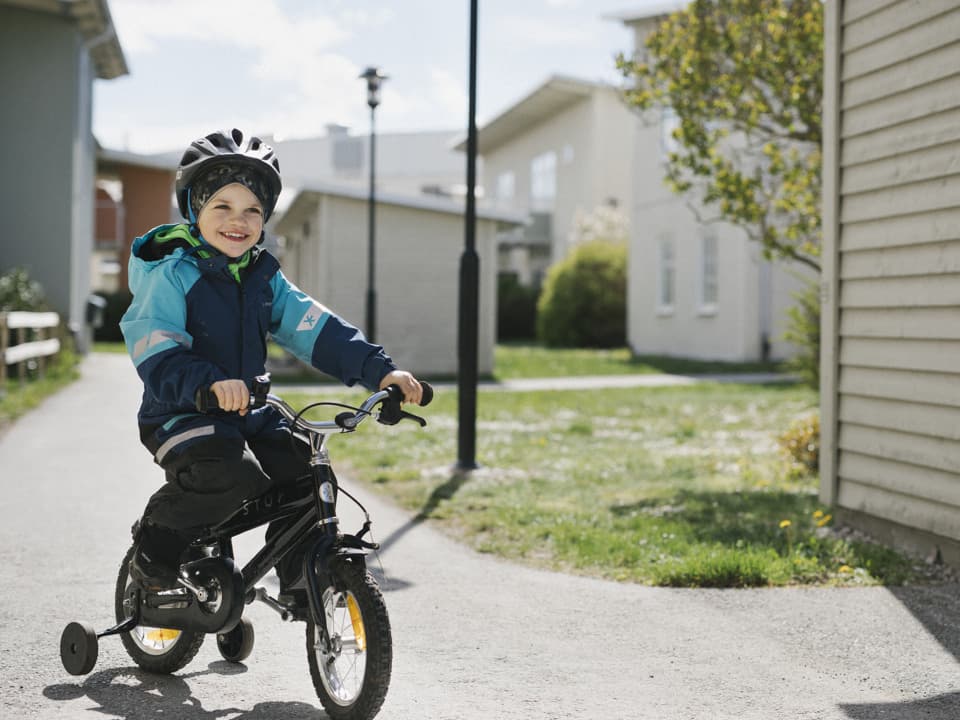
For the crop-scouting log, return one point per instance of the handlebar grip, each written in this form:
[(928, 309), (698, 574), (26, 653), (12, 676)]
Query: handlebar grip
[(205, 399), (427, 396)]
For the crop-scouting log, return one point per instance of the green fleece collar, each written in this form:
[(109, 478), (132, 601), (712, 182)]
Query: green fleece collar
[(181, 234)]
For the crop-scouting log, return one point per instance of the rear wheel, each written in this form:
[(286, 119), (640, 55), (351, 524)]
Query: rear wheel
[(352, 672), (158, 650)]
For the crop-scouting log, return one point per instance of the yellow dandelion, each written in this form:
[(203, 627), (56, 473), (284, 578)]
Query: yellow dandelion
[(824, 520), (846, 569), (818, 514), (785, 523)]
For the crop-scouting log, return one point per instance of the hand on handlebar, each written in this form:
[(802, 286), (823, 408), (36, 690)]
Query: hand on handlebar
[(408, 384), (232, 395)]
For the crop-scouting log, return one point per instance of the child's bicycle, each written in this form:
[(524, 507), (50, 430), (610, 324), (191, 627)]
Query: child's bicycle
[(349, 646)]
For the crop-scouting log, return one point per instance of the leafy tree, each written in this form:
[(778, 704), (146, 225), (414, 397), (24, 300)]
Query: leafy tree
[(744, 79)]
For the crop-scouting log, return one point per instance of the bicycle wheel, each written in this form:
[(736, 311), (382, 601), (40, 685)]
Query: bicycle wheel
[(351, 676), (158, 650)]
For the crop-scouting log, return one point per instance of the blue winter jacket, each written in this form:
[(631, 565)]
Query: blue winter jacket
[(197, 317)]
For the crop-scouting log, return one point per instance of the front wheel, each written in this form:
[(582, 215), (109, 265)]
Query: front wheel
[(351, 672), (158, 650)]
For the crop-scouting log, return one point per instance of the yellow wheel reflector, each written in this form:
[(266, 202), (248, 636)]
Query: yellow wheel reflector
[(162, 635), (357, 622)]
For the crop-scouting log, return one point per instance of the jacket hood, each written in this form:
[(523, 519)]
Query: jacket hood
[(176, 242)]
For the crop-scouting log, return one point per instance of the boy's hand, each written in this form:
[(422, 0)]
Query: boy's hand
[(232, 395), (408, 384)]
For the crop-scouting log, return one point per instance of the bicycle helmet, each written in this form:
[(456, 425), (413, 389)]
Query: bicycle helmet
[(225, 157)]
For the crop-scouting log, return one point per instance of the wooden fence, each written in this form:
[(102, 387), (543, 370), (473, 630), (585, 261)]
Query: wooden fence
[(24, 351)]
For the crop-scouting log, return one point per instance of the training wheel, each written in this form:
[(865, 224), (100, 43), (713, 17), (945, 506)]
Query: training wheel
[(78, 648), (235, 646)]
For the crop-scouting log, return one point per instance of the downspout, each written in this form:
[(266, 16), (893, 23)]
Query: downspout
[(830, 256)]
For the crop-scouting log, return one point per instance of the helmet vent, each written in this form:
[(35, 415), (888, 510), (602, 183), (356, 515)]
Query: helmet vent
[(255, 144), (237, 136)]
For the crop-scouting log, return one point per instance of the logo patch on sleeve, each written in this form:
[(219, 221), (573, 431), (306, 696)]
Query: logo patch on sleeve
[(311, 318)]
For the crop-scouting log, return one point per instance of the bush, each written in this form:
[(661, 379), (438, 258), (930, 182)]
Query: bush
[(19, 292), (801, 443), (516, 309), (117, 304), (584, 298), (803, 330)]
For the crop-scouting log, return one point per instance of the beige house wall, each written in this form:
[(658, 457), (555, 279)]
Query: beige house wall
[(418, 264), (891, 290), (589, 138)]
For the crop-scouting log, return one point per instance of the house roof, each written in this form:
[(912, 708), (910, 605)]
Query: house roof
[(652, 9), (552, 96), (95, 24), (107, 158), (310, 194)]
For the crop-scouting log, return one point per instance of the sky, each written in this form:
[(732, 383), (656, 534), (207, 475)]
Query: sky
[(288, 68)]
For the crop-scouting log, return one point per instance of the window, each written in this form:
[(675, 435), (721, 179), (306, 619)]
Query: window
[(505, 185), (668, 123), (667, 276), (543, 180), (709, 275)]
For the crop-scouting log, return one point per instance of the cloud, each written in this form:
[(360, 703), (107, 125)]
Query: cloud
[(146, 26)]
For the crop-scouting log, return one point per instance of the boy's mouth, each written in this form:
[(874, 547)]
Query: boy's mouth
[(235, 237)]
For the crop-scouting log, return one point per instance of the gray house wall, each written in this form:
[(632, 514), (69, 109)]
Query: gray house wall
[(890, 398), (46, 189)]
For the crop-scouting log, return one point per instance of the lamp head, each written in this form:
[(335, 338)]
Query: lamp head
[(374, 77)]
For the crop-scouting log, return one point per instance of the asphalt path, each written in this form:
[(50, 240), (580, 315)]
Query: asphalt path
[(474, 638)]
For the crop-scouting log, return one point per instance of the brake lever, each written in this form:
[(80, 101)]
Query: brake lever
[(404, 415)]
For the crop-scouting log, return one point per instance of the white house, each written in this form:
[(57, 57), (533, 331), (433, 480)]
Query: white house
[(696, 289), (890, 392), (419, 241), (556, 153), (409, 163)]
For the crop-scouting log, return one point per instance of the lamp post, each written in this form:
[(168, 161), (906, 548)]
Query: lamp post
[(374, 77)]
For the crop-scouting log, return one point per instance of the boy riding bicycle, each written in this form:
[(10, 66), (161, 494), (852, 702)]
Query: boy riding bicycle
[(205, 298)]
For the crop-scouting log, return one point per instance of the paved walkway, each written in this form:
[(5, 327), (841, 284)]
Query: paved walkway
[(475, 638)]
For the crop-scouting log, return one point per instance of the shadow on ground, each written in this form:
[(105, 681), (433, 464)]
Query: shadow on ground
[(937, 607), (136, 695), (941, 707), (458, 478)]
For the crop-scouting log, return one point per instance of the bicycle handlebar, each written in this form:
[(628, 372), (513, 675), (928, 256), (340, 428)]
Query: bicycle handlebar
[(389, 398)]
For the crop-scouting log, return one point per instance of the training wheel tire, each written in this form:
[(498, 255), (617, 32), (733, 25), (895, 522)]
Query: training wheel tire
[(78, 648), (236, 645)]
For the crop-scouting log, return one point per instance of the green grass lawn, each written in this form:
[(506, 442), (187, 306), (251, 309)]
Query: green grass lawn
[(680, 486), (517, 360), (16, 398)]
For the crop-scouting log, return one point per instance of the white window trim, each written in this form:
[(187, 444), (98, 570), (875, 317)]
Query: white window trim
[(543, 180), (665, 240), (705, 308)]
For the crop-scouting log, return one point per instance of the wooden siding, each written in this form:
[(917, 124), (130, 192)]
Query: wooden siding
[(891, 391)]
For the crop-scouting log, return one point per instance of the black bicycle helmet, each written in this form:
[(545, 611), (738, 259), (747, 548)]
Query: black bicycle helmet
[(222, 158)]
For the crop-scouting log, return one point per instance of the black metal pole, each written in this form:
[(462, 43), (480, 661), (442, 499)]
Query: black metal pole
[(469, 281), (371, 244)]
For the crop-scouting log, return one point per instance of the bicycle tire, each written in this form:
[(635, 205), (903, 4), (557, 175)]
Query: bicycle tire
[(165, 659), (351, 680)]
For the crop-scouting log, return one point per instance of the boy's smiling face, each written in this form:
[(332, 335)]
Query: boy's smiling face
[(232, 220)]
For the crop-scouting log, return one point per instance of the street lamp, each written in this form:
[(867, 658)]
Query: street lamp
[(374, 77)]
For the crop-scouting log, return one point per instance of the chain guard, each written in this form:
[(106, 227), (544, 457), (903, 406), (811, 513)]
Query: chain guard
[(222, 580)]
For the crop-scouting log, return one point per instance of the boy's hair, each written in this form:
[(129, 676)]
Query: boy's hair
[(221, 158)]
